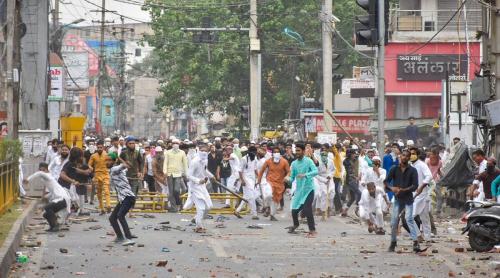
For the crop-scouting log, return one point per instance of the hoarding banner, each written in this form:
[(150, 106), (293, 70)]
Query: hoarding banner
[(432, 67)]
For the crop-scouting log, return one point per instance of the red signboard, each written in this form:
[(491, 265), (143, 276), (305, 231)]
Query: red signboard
[(395, 51), (356, 124)]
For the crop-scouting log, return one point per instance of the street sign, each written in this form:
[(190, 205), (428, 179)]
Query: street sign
[(326, 137), (351, 83)]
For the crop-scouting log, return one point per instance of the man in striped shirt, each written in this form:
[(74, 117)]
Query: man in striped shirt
[(126, 200)]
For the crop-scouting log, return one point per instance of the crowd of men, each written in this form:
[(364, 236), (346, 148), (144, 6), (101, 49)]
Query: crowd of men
[(321, 179)]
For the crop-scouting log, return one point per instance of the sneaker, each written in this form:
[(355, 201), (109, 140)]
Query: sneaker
[(392, 247), (128, 242), (291, 230), (133, 236), (255, 218), (272, 218), (118, 240)]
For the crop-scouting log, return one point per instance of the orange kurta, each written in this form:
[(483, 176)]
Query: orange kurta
[(276, 173)]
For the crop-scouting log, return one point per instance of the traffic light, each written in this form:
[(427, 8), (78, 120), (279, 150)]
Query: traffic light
[(205, 36), (337, 76), (367, 27)]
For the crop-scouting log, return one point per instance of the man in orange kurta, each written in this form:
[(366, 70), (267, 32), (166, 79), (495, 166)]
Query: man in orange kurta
[(277, 169)]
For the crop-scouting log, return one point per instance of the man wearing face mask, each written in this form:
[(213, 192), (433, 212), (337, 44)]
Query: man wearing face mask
[(198, 177), (325, 189), (274, 171), (175, 166), (236, 148), (422, 202), (233, 182), (248, 174), (97, 164), (57, 164)]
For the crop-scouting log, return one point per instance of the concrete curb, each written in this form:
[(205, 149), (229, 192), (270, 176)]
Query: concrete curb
[(13, 240)]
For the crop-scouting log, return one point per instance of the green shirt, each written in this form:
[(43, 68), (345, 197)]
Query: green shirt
[(305, 185)]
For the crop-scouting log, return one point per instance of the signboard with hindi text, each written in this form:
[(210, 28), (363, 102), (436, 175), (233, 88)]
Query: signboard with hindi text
[(426, 67)]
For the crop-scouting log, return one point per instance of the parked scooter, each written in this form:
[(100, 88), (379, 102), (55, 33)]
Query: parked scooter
[(483, 225)]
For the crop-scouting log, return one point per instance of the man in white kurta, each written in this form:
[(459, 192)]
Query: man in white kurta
[(324, 179), (198, 176), (370, 209), (233, 182), (377, 175), (422, 201), (248, 177)]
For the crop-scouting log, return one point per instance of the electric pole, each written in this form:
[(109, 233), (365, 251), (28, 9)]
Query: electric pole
[(327, 62), (381, 76), (12, 57), (255, 74)]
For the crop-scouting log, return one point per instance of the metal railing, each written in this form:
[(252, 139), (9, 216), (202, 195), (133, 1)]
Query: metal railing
[(9, 186), (432, 21)]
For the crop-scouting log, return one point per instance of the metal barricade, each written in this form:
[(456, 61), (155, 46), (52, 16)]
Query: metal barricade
[(9, 185), (233, 202), (146, 202)]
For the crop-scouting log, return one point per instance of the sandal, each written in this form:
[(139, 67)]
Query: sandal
[(200, 230)]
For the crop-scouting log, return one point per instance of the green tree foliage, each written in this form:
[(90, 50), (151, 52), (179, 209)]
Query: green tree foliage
[(216, 76)]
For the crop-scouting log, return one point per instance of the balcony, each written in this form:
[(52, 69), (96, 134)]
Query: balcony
[(421, 25)]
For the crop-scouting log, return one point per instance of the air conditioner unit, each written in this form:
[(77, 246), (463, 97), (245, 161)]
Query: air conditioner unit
[(493, 110)]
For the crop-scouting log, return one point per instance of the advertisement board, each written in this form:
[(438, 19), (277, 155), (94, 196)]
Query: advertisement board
[(77, 64), (56, 83), (356, 124)]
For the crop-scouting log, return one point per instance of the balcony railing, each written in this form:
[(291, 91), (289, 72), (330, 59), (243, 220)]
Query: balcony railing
[(432, 21)]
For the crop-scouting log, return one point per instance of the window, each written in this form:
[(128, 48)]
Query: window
[(408, 106), (138, 52)]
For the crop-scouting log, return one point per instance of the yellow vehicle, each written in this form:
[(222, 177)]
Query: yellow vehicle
[(72, 129)]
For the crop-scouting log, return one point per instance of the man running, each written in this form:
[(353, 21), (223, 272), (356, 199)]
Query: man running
[(277, 169), (303, 172)]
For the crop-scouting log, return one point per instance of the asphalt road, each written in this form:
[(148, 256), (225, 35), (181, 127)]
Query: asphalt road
[(238, 251)]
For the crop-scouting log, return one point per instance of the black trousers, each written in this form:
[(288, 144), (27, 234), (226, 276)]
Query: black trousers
[(50, 212), (150, 180), (118, 214), (306, 208), (353, 188), (337, 200)]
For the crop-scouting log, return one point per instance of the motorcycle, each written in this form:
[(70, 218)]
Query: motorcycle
[(483, 225)]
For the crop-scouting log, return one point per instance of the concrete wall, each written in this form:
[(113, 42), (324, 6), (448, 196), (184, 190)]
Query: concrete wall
[(34, 58), (144, 122)]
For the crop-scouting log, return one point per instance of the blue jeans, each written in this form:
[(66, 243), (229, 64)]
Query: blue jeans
[(396, 211)]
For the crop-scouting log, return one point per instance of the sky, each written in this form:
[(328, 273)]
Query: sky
[(71, 10)]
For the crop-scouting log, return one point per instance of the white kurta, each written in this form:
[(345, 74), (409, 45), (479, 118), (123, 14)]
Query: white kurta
[(325, 186), (482, 168), (370, 207), (248, 169), (265, 187), (370, 176), (56, 166), (421, 202), (55, 191), (196, 173)]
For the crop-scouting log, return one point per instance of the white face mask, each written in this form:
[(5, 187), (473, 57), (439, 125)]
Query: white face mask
[(203, 157), (175, 147), (235, 145), (92, 148), (317, 152), (276, 157)]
